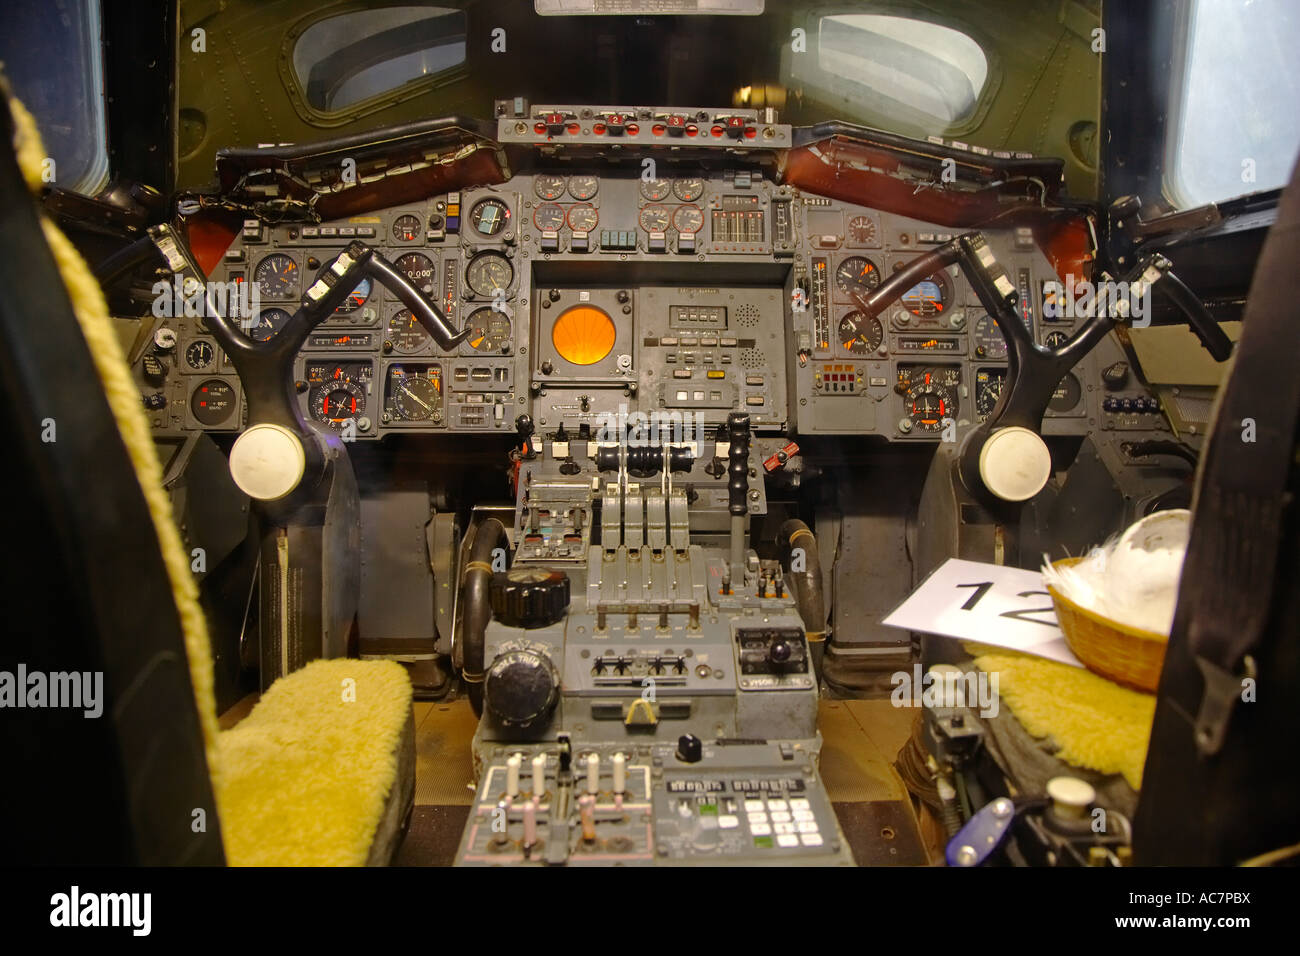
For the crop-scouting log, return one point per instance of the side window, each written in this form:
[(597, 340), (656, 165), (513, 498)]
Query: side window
[(1235, 122), (51, 58), (350, 58), (896, 65)]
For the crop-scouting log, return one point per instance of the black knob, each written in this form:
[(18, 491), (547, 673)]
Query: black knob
[(155, 401), (529, 597), (154, 369), (738, 466), (1115, 376), (521, 688), (779, 652), (689, 748)]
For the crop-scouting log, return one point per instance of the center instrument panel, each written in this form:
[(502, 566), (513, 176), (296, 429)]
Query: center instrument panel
[(624, 284)]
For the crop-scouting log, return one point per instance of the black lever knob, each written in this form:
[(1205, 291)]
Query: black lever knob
[(738, 466), (690, 749)]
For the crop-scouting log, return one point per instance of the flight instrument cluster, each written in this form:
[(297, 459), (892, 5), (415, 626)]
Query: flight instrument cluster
[(594, 288)]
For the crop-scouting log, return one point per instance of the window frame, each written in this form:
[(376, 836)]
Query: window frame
[(908, 121), (381, 101)]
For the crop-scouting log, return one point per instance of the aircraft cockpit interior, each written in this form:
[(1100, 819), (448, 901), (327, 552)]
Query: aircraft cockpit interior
[(651, 433)]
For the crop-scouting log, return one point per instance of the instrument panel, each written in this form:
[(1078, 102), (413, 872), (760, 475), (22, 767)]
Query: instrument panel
[(597, 292)]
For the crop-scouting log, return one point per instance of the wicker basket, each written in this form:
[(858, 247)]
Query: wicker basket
[(1126, 655)]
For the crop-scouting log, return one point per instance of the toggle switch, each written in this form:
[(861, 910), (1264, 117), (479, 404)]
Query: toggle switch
[(593, 773), (620, 773), (530, 824), (587, 813), (513, 764), (539, 775)]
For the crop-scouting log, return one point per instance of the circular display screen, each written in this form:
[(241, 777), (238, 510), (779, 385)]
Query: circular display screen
[(583, 335)]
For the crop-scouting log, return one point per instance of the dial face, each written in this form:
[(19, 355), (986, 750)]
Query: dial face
[(928, 404), (491, 330), (199, 355), (406, 333), (489, 272), (583, 187), (548, 217), (863, 232), (337, 402), (419, 397), (688, 219), (688, 190), (419, 269), (859, 334), (656, 190), (548, 187), (583, 218), (654, 218), (268, 323), (988, 389), (989, 342), (213, 402), (1055, 339), (277, 276), (406, 228), (929, 297), (857, 274), (489, 217), (1067, 394)]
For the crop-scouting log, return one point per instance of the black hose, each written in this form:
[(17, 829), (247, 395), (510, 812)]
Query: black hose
[(807, 586), (127, 259), (491, 534)]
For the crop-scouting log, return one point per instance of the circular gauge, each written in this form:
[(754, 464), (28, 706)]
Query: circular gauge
[(583, 187), (406, 333), (418, 399), (583, 218), (489, 217), (857, 274), (406, 228), (688, 219), (1067, 394), (862, 231), (988, 389), (654, 218), (268, 323), (491, 330), (199, 354), (337, 402), (1055, 339), (548, 217), (583, 335), (277, 276), (489, 272), (548, 187), (419, 269), (929, 297), (989, 342), (656, 190), (928, 405), (688, 190), (213, 401), (859, 334)]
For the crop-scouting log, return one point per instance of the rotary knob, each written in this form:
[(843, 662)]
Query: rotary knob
[(521, 687), (529, 597)]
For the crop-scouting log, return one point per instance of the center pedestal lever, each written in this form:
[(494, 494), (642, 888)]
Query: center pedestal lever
[(738, 490)]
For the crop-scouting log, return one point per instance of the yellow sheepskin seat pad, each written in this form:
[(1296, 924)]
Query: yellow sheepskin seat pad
[(1097, 723), (310, 775)]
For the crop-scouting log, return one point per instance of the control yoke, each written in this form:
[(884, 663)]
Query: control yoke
[(266, 368), (1034, 370)]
